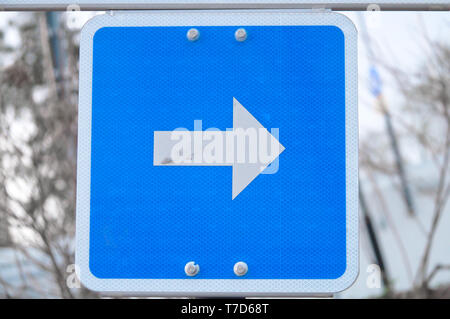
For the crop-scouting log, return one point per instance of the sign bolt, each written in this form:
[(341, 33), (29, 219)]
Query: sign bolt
[(193, 34), (240, 35), (191, 269), (240, 268)]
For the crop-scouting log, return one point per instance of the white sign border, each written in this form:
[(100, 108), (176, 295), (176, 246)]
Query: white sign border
[(216, 287)]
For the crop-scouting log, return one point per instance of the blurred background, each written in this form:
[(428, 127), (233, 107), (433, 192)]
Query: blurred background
[(404, 123)]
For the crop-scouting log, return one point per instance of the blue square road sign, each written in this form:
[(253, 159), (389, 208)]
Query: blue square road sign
[(165, 205)]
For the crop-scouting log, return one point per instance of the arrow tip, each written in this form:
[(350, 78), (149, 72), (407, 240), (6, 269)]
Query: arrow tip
[(245, 173)]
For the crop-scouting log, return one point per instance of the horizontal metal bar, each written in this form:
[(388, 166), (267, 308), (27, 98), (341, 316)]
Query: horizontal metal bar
[(103, 5)]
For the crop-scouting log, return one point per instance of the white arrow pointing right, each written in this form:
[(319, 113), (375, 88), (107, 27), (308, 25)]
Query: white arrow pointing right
[(244, 171)]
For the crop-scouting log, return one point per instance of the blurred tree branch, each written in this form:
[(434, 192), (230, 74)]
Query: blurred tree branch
[(38, 158), (425, 120)]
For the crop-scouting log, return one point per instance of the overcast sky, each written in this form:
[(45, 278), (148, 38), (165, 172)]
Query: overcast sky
[(400, 37)]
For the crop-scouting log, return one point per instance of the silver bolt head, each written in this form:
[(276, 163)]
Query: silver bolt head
[(240, 269), (191, 269), (193, 34), (373, 7), (240, 35)]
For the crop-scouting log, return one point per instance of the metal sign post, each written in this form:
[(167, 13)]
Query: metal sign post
[(400, 5), (218, 153)]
